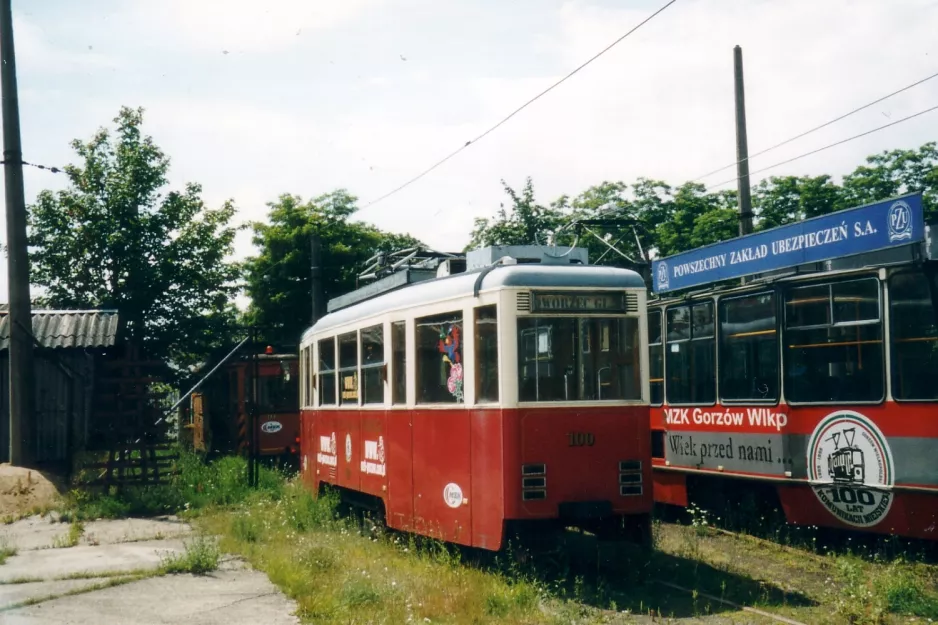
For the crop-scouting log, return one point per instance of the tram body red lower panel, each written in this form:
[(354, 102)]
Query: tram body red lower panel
[(457, 474), (869, 468)]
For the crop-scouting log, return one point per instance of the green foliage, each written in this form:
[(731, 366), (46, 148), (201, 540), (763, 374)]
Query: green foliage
[(196, 485), (670, 219), (201, 556), (278, 278), (116, 239), (525, 223)]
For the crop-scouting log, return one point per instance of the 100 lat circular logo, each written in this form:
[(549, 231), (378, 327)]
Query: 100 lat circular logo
[(850, 468)]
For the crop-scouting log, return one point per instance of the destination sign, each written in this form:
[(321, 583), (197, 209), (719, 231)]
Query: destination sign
[(869, 228), (578, 302)]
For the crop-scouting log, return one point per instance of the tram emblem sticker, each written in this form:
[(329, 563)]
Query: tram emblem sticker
[(850, 468), (663, 275), (899, 221), (348, 447), (452, 495)]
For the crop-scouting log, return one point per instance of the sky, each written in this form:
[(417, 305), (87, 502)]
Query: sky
[(255, 99)]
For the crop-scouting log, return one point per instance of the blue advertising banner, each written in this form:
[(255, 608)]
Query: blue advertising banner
[(885, 224)]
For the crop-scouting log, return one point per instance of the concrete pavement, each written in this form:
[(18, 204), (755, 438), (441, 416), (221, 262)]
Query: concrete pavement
[(48, 584)]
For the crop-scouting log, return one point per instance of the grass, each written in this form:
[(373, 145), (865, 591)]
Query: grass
[(341, 570), (200, 557), (7, 550), (76, 530)]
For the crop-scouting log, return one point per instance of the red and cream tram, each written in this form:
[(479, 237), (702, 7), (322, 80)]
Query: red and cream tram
[(512, 393), (816, 382)]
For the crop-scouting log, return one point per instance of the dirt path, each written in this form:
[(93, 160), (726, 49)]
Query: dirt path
[(109, 577)]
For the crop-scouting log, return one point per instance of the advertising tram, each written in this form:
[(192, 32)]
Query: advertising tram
[(508, 397), (815, 381)]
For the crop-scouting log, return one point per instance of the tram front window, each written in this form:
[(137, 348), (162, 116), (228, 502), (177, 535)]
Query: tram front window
[(914, 341), (578, 359)]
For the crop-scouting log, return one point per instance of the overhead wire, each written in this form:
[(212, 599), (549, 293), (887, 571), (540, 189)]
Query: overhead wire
[(826, 147), (816, 128), (517, 110)]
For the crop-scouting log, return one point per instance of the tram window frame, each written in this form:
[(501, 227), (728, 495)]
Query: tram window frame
[(652, 345), (693, 341), (373, 369), (438, 393), (486, 353), (569, 349), (348, 368), (399, 360), (724, 350), (895, 360), (327, 370), (833, 324)]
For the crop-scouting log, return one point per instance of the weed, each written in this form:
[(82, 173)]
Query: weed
[(246, 528), (7, 550), (201, 556), (75, 531)]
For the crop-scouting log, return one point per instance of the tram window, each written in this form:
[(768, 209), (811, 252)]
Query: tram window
[(656, 359), (584, 359), (486, 354), (914, 319), (326, 384), (439, 359), (834, 355), (348, 368), (373, 368), (276, 393), (399, 356), (748, 348), (310, 380), (691, 354)]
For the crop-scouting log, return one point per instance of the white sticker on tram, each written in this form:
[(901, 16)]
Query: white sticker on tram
[(327, 451), (851, 469), (452, 495), (373, 464)]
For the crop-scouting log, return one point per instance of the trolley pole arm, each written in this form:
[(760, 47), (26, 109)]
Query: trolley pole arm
[(204, 378)]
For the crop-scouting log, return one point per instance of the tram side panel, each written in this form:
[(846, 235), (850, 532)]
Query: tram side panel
[(399, 502), (488, 468), (442, 471), (858, 467)]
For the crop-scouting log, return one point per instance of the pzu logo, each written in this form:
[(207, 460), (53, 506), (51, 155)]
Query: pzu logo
[(662, 275), (900, 222)]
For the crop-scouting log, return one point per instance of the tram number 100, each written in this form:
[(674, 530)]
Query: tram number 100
[(849, 495), (581, 439)]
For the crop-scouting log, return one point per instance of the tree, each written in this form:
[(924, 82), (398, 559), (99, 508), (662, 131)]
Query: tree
[(892, 173), (115, 238), (696, 218), (278, 278), (524, 223), (784, 200)]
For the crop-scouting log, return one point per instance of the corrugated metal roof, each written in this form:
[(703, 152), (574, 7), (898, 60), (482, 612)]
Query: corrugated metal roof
[(67, 329)]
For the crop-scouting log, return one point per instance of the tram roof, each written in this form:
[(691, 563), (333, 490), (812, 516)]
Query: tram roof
[(463, 284)]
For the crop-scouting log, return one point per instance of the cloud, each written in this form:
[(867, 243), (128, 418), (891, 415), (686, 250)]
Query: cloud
[(246, 25)]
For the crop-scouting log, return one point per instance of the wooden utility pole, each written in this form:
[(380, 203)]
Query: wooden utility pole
[(22, 391), (742, 148)]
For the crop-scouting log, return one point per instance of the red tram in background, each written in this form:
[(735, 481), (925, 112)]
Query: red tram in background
[(511, 396), (221, 413), (816, 382)]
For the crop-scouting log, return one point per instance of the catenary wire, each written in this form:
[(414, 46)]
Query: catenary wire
[(826, 147), (517, 110), (816, 128)]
